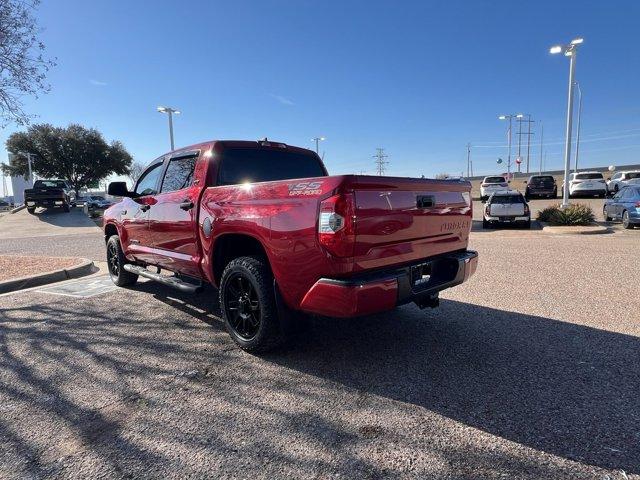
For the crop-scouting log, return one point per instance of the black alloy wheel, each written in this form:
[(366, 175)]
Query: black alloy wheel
[(243, 306)]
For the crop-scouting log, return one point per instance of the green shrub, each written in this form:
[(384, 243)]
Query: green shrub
[(575, 214)]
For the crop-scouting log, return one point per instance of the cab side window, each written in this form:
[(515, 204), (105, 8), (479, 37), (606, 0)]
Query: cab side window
[(179, 174), (148, 181)]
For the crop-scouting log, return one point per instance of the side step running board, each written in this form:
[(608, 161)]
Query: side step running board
[(174, 282)]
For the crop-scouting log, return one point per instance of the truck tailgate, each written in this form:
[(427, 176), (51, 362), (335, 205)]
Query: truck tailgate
[(401, 220)]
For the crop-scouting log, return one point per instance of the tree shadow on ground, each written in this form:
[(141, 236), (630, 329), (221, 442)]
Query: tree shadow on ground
[(561, 388)]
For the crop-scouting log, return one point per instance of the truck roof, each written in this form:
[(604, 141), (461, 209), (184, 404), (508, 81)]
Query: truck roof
[(242, 144)]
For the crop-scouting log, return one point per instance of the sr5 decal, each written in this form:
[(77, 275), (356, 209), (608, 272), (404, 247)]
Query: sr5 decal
[(305, 188)]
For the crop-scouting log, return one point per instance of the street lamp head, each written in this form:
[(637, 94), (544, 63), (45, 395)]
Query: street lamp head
[(502, 117), (519, 115), (162, 109), (555, 49), (577, 41)]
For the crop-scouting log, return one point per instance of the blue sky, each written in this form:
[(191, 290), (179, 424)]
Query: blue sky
[(420, 79)]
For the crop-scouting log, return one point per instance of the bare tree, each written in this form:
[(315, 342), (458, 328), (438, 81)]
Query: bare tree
[(23, 68), (135, 170), (442, 176)]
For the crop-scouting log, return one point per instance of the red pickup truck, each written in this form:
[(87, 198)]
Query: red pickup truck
[(265, 224)]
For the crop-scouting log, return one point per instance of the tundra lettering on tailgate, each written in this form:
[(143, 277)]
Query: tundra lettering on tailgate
[(449, 226)]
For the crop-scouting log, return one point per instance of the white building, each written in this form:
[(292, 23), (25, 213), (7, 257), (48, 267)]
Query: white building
[(18, 185)]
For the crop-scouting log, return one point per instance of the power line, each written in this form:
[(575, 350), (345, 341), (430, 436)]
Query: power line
[(381, 163)]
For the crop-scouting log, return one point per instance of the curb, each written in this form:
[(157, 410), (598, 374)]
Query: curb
[(17, 209), (84, 268), (575, 230)]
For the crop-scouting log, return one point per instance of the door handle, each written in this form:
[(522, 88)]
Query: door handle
[(186, 205), (144, 208)]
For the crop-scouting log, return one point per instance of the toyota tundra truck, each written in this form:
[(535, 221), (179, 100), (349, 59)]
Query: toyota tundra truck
[(265, 224), (50, 194)]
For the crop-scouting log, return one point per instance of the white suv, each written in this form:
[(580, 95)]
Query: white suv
[(622, 179), (492, 184), (587, 184)]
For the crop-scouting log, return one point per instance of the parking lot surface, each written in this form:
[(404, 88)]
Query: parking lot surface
[(529, 370), (51, 233)]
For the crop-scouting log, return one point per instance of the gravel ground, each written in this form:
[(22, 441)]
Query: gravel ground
[(16, 266), (530, 370)]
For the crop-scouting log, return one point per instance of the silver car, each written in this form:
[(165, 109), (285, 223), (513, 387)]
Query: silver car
[(625, 206)]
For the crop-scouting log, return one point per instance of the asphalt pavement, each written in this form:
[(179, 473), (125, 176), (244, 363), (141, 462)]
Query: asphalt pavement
[(51, 233), (529, 370)]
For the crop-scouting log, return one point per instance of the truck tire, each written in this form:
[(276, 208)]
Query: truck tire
[(31, 210), (248, 303), (626, 222), (115, 263), (66, 207)]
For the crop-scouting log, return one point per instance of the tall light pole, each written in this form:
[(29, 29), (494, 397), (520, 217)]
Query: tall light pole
[(169, 111), (505, 117), (318, 140), (579, 118), (570, 51)]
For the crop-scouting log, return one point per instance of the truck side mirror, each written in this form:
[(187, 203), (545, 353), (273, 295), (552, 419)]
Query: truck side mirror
[(119, 189)]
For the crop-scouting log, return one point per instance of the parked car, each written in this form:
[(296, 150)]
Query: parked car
[(622, 179), (506, 207), (541, 186), (50, 194), (265, 224), (586, 184), (492, 184), (97, 202), (625, 206)]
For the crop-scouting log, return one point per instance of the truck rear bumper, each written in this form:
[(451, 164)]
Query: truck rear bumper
[(379, 291)]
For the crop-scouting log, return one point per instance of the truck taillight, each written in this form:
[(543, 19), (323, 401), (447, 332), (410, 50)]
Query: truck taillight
[(336, 225), (637, 204)]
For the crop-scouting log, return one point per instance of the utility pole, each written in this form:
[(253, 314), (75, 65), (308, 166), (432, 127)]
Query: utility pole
[(541, 144), (528, 133), (528, 142), (318, 140), (468, 160), (519, 142), (380, 161)]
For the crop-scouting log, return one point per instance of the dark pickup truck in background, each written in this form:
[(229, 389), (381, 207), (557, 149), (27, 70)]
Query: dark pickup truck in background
[(50, 194), (265, 224)]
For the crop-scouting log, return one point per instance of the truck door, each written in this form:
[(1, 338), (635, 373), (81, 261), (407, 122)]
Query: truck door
[(173, 218), (138, 241)]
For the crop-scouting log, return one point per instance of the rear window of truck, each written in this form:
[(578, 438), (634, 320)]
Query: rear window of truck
[(248, 165), (49, 184), (507, 199)]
